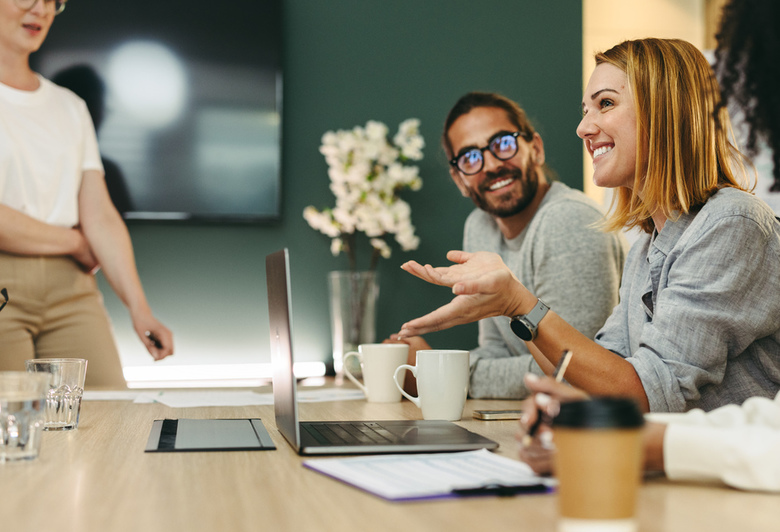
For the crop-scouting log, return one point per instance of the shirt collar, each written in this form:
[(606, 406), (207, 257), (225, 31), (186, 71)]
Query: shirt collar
[(673, 229)]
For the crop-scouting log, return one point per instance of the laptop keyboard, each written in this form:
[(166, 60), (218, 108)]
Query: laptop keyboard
[(350, 433)]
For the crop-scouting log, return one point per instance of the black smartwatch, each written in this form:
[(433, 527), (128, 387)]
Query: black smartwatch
[(525, 326)]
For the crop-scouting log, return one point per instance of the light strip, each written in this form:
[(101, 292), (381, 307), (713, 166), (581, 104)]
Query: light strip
[(212, 375)]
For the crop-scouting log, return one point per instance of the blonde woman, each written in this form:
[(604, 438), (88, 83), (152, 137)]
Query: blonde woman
[(698, 323)]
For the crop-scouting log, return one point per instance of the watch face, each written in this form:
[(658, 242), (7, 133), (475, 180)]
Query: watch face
[(522, 329)]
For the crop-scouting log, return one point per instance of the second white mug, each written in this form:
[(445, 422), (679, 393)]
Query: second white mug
[(442, 383), (378, 362)]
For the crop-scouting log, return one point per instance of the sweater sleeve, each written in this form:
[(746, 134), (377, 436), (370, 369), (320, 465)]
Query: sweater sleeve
[(497, 369), (576, 266)]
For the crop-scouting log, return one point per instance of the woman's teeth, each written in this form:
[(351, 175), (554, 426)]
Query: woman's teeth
[(601, 151)]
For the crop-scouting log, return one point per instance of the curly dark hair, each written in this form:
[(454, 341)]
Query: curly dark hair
[(748, 67)]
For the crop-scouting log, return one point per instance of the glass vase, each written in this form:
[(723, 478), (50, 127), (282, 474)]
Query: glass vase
[(353, 297)]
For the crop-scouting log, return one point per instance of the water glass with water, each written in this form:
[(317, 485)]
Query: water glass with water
[(22, 400)]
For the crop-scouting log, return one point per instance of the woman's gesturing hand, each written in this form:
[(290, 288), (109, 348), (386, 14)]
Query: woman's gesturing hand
[(483, 287)]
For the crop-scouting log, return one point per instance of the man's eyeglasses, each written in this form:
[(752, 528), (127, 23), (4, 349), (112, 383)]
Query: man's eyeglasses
[(503, 146), (4, 293), (59, 5)]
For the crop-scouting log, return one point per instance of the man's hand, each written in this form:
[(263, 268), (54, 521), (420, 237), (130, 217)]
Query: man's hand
[(415, 343)]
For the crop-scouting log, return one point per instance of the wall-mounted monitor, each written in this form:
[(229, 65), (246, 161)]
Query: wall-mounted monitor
[(189, 122)]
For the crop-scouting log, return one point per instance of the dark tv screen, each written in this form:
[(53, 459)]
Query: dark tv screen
[(189, 118)]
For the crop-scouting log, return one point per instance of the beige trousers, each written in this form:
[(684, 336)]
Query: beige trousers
[(55, 310)]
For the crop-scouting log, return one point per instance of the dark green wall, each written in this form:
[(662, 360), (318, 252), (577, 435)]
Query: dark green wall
[(348, 61)]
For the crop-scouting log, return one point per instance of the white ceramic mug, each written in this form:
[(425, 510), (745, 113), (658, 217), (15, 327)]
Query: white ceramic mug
[(378, 362), (442, 383)]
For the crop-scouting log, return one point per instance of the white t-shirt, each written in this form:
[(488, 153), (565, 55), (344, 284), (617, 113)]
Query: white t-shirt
[(47, 141)]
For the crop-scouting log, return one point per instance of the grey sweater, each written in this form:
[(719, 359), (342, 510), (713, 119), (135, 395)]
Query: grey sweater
[(561, 258)]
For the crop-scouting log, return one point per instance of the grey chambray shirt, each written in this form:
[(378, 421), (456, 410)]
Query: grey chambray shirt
[(699, 316)]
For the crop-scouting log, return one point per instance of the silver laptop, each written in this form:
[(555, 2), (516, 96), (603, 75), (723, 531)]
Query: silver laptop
[(342, 437)]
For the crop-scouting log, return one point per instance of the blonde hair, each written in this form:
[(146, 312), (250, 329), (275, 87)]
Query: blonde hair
[(684, 154)]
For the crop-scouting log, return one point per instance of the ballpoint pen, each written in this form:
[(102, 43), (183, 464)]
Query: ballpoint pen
[(560, 370)]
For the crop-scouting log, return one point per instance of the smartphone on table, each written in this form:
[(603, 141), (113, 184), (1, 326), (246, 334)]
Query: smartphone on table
[(497, 414)]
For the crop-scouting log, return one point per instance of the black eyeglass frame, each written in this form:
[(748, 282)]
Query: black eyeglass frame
[(4, 292), (489, 147), (59, 5)]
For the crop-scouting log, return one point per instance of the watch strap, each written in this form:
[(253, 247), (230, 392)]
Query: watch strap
[(537, 313), (525, 326)]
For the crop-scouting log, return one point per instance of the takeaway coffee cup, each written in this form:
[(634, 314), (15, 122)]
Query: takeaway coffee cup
[(442, 383), (378, 362), (598, 462)]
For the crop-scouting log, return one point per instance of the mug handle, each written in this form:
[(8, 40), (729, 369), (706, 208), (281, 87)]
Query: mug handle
[(349, 375), (413, 369)]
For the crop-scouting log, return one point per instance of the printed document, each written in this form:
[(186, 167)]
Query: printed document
[(407, 477)]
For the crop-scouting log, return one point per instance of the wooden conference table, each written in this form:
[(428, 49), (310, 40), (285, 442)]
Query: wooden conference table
[(98, 479)]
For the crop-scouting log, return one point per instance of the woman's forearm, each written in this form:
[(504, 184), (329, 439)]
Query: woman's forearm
[(23, 235), (594, 369), (110, 242)]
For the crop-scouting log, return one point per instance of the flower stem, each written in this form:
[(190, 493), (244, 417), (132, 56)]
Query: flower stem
[(349, 240), (375, 254)]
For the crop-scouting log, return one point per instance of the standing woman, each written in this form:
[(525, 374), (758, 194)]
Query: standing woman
[(57, 222), (698, 323)]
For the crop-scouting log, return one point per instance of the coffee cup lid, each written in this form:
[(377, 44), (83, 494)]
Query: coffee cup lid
[(600, 413)]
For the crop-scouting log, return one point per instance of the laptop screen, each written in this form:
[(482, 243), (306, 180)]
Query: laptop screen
[(277, 273)]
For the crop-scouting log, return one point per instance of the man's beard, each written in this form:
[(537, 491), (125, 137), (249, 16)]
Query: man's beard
[(499, 207)]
